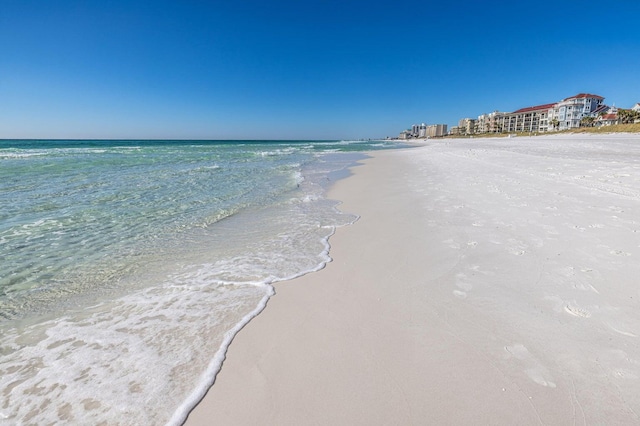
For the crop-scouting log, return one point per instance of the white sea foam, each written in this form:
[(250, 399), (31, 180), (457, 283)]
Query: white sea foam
[(20, 154), (149, 346), (144, 347), (277, 152), (298, 177), (208, 378)]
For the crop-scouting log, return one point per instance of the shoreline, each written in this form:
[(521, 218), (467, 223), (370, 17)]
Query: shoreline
[(484, 282)]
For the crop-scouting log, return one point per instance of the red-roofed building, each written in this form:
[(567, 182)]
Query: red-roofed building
[(607, 119), (537, 108), (562, 115), (567, 113), (530, 119), (584, 96)]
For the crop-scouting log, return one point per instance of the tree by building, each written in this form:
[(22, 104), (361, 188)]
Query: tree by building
[(587, 121), (626, 116)]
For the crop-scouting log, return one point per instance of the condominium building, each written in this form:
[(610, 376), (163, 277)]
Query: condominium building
[(567, 113), (436, 130), (562, 115), (529, 119), (490, 123), (466, 126), (405, 134), (421, 131)]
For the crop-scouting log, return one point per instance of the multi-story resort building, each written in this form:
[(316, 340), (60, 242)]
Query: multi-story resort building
[(419, 130), (529, 119), (436, 130), (489, 123), (467, 125), (562, 115), (567, 113)]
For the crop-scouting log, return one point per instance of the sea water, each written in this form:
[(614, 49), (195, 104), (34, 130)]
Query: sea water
[(126, 267)]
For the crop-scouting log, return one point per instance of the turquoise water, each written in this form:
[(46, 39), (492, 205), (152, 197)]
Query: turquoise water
[(128, 266)]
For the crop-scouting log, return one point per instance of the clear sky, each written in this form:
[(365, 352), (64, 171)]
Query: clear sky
[(305, 69)]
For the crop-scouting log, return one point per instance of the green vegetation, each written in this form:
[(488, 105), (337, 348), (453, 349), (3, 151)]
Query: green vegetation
[(628, 116), (588, 121), (615, 128)]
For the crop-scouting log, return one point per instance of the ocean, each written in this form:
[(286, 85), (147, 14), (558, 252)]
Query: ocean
[(126, 267)]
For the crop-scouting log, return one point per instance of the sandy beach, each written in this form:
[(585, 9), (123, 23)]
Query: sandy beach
[(487, 281)]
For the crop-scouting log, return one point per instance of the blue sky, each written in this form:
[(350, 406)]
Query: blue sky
[(305, 69)]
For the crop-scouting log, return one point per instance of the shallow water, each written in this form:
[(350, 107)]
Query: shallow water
[(128, 266)]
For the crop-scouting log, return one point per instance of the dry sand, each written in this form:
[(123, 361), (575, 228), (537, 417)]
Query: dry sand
[(488, 281)]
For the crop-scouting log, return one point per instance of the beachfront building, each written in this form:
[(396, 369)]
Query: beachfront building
[(405, 134), (466, 126), (567, 113), (615, 115), (416, 131), (436, 130), (608, 117), (563, 115), (490, 123), (422, 131), (530, 119)]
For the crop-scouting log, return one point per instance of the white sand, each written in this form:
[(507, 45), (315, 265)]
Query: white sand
[(488, 281)]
